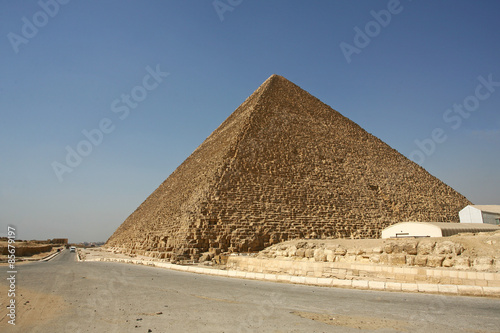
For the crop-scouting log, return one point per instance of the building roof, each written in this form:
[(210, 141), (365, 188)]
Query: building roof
[(447, 229), (495, 209)]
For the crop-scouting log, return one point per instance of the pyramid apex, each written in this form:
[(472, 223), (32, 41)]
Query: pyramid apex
[(276, 77)]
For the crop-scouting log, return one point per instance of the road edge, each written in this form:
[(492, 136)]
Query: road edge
[(427, 288)]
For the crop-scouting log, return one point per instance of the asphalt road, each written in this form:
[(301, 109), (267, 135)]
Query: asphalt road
[(113, 297)]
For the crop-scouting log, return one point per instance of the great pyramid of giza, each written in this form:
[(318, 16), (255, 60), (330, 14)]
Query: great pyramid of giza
[(284, 165)]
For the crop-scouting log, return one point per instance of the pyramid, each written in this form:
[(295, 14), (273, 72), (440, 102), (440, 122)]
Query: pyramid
[(283, 166)]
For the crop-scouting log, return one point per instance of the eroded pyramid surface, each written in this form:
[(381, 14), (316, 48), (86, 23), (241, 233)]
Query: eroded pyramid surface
[(284, 165)]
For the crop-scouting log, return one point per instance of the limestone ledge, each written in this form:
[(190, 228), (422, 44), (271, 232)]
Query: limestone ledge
[(432, 253)]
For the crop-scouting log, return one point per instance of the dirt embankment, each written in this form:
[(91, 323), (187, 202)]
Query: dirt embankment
[(27, 251)]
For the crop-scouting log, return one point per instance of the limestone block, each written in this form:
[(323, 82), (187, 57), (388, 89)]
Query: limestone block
[(491, 291), (459, 249), (494, 283), (394, 286), (355, 251), (445, 247), (214, 251), (496, 266), (470, 290), (319, 255), (340, 251), (448, 262), (376, 285), (425, 247), (328, 252), (435, 261), (397, 259), (384, 258), (410, 247), (398, 247), (483, 263), (292, 251), (363, 259), (341, 283), (388, 248), (421, 260), (349, 258), (206, 257), (301, 245), (410, 260), (411, 287), (462, 262), (427, 288), (360, 284)]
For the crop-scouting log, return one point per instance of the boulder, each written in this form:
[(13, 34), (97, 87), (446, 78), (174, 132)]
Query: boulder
[(425, 247), (435, 261), (319, 255), (462, 262), (309, 253), (410, 247), (445, 247), (340, 251)]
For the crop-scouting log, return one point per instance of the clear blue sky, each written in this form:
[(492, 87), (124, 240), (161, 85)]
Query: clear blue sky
[(63, 76)]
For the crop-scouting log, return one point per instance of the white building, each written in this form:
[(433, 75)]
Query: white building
[(489, 214), (434, 229)]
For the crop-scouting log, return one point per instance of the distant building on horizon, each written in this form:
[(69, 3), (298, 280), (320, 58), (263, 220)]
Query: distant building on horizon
[(489, 214), (62, 241)]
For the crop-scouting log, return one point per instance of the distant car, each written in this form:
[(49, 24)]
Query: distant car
[(72, 249)]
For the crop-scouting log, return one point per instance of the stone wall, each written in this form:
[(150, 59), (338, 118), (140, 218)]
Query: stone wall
[(359, 274), (462, 260), (425, 252)]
